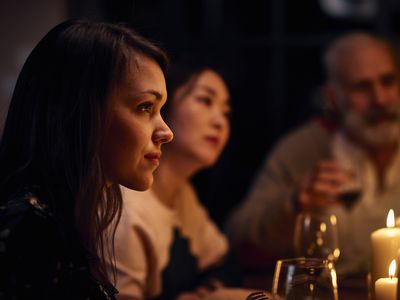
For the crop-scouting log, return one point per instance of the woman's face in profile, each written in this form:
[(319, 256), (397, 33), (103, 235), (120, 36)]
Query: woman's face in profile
[(132, 143), (200, 118)]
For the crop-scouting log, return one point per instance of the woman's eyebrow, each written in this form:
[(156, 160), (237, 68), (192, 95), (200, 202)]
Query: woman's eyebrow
[(213, 93), (157, 94), (208, 89)]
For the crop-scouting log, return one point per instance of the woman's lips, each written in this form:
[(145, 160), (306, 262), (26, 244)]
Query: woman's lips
[(212, 140), (153, 157)]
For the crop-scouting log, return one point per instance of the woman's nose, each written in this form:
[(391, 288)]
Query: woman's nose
[(163, 134), (219, 119)]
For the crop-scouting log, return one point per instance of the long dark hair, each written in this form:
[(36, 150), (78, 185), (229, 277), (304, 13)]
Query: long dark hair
[(53, 133)]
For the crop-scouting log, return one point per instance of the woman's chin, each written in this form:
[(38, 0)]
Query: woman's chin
[(140, 185), (209, 161)]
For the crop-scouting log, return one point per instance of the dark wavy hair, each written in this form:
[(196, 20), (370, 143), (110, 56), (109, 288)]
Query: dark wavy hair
[(54, 129)]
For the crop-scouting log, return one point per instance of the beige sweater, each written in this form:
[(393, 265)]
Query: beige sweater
[(266, 216), (144, 236)]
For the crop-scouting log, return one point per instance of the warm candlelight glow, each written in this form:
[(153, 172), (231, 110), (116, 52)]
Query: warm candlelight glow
[(385, 243), (390, 219), (322, 227), (333, 219), (392, 268), (336, 253)]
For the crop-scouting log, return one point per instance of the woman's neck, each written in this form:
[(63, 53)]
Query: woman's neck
[(174, 171)]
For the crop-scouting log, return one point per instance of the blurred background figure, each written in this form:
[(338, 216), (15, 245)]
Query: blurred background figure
[(166, 244), (310, 169)]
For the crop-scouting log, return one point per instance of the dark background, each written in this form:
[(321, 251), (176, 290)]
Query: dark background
[(270, 51)]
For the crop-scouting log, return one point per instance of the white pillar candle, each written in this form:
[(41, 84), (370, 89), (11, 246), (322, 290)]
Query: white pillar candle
[(385, 243), (386, 288)]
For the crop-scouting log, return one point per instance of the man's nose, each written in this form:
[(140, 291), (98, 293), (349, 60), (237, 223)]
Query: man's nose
[(380, 95)]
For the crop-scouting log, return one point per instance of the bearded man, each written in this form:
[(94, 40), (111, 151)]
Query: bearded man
[(311, 168)]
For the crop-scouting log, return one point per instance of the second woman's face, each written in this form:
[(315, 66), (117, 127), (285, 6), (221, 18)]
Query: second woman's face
[(132, 143), (200, 118)]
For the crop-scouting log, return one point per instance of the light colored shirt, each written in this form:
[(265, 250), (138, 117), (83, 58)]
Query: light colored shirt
[(370, 212), (145, 234)]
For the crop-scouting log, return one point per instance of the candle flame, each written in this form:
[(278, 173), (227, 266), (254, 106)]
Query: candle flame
[(392, 268), (390, 219)]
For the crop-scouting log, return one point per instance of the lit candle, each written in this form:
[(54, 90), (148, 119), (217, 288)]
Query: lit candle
[(385, 244), (386, 288)]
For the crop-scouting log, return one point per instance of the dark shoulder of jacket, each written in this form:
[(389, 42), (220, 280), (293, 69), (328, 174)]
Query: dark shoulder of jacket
[(18, 208)]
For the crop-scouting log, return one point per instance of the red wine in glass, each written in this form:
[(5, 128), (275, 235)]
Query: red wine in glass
[(349, 198)]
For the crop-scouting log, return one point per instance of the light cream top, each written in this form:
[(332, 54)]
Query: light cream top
[(145, 234)]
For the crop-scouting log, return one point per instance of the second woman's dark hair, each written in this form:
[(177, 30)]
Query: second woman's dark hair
[(183, 71)]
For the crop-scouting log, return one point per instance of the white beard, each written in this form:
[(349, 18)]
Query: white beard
[(374, 135)]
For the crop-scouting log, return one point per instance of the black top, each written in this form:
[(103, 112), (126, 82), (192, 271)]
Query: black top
[(182, 274), (40, 258)]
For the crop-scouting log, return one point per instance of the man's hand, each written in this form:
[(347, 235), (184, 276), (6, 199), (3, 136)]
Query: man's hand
[(321, 186)]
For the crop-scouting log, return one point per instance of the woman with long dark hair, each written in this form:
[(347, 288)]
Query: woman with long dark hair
[(84, 118)]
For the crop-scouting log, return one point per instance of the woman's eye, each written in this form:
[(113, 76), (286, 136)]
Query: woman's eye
[(206, 100), (146, 107)]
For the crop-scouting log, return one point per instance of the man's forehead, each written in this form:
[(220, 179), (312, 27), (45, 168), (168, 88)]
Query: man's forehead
[(364, 63)]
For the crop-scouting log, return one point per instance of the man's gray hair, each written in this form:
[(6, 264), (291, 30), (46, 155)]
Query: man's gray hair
[(346, 43)]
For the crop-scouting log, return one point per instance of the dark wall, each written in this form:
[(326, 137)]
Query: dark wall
[(270, 50)]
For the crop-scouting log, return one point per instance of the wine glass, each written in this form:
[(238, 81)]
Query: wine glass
[(351, 190), (304, 278), (316, 235)]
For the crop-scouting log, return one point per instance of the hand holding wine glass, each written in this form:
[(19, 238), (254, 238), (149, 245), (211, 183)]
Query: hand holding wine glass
[(327, 184), (350, 190)]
